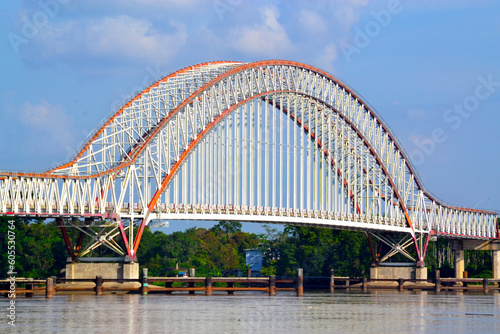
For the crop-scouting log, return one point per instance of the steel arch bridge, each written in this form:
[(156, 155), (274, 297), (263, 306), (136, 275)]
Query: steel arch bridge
[(269, 141)]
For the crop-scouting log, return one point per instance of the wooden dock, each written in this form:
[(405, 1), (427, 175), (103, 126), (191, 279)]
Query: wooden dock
[(209, 285)]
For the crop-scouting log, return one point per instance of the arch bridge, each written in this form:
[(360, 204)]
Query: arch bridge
[(269, 141)]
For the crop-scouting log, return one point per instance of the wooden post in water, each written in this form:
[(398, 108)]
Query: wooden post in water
[(192, 273), (401, 285), (465, 284), (437, 286), (144, 282), (300, 282), (208, 286), (332, 281), (272, 285), (364, 284), (486, 282), (49, 288), (230, 285), (249, 274), (29, 286), (98, 285), (168, 285)]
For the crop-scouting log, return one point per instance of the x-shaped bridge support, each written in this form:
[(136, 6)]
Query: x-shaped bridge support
[(101, 233), (397, 243)]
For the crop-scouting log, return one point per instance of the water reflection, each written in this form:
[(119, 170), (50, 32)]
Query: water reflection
[(375, 311)]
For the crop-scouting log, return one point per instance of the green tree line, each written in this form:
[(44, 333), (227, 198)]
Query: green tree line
[(220, 250)]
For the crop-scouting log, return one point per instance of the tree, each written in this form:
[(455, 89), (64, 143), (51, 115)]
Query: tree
[(227, 227), (39, 248), (316, 250)]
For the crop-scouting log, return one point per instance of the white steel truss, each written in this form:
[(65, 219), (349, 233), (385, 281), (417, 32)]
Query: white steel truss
[(270, 141)]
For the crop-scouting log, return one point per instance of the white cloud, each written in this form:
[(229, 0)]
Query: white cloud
[(327, 57), (268, 38), (346, 12), (50, 128), (164, 3), (132, 7), (47, 118), (312, 22), (117, 35), (120, 38)]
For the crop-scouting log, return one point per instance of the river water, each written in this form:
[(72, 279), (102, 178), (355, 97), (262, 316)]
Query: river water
[(342, 312)]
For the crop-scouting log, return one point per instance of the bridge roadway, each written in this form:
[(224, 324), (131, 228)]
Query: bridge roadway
[(270, 141)]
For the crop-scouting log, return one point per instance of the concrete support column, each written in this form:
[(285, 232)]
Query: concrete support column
[(459, 263), (421, 273), (374, 272), (130, 270), (70, 271), (496, 264)]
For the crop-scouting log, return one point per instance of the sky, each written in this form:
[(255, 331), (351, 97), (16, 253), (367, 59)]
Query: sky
[(431, 69)]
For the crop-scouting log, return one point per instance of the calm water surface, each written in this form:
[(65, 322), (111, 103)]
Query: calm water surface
[(354, 312)]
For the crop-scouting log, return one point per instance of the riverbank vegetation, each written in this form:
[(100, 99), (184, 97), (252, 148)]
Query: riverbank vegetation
[(220, 250)]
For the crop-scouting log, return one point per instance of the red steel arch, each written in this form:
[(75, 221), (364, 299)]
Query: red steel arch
[(224, 72), (219, 118), (243, 67)]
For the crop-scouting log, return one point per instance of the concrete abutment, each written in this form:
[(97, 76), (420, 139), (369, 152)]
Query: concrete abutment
[(108, 270), (395, 272)]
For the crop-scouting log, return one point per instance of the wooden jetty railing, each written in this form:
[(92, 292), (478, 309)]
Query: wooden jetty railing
[(208, 285)]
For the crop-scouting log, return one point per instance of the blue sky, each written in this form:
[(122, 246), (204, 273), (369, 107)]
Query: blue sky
[(430, 68)]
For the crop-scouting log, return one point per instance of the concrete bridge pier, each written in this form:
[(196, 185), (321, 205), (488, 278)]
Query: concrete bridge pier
[(398, 270), (496, 264), (459, 262), (460, 246), (108, 268)]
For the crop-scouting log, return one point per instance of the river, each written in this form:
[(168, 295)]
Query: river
[(341, 312)]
